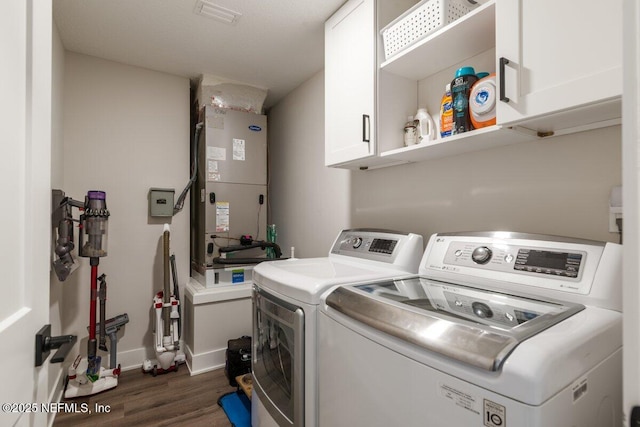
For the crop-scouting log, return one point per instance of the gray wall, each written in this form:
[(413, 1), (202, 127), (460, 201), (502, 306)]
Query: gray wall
[(557, 186), (126, 129), (554, 186), (57, 168), (309, 203)]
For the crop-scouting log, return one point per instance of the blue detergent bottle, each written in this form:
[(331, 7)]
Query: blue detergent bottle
[(461, 85)]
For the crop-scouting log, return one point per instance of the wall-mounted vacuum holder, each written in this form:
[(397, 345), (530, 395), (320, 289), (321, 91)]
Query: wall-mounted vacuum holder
[(45, 343)]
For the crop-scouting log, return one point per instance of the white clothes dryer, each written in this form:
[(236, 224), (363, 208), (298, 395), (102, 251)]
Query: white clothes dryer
[(498, 330), (286, 295)]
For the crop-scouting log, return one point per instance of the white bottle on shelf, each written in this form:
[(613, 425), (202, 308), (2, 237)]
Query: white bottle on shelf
[(426, 128)]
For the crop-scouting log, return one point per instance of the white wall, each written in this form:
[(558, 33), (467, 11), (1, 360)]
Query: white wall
[(309, 203), (631, 196), (126, 129)]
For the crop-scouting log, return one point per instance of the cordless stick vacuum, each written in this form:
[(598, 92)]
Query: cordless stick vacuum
[(166, 304), (86, 376)]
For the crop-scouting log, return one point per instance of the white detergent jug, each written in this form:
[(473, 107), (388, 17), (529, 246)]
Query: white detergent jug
[(427, 128)]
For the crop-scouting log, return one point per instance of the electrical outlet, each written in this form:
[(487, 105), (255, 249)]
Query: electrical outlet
[(615, 209), (614, 213)]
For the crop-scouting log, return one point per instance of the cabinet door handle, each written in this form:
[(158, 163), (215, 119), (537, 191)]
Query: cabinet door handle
[(366, 127), (503, 63), (635, 416)]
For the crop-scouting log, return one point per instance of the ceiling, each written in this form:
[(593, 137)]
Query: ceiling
[(275, 44)]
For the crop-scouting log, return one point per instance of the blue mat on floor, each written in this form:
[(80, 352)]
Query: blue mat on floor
[(237, 406)]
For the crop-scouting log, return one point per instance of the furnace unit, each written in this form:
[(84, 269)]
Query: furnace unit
[(229, 196)]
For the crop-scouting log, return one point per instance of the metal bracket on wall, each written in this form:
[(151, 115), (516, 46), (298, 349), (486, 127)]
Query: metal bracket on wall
[(45, 343)]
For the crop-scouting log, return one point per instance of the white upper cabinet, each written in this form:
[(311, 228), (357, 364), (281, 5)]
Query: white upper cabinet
[(559, 57), (357, 93), (558, 66), (350, 71)]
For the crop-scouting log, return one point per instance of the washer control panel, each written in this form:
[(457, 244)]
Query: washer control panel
[(516, 258), (511, 260)]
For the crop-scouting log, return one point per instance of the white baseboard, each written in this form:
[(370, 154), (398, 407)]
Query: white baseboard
[(206, 361), (132, 359), (56, 392)]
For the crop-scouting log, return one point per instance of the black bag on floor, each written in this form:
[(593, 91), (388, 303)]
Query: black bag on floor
[(238, 358)]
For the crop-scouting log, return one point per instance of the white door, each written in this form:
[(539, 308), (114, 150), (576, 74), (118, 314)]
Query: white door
[(631, 197), (25, 163), (350, 69), (562, 54)]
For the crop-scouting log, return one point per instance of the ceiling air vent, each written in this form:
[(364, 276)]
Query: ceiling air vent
[(217, 12)]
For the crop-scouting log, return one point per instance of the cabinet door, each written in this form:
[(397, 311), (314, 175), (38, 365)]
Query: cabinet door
[(555, 55), (350, 71)]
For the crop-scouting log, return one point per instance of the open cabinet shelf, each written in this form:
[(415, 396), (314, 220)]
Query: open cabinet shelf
[(475, 140), (453, 43)]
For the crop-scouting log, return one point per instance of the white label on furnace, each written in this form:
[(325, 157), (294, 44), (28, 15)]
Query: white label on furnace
[(222, 217), (495, 415), (216, 153), (460, 398), (238, 149), (212, 170)]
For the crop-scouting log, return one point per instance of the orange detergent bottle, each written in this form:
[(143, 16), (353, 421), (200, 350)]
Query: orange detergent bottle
[(446, 113)]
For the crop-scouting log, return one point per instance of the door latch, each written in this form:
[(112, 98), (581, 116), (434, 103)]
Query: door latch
[(45, 343)]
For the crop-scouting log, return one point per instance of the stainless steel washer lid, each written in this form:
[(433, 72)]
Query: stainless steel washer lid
[(472, 325)]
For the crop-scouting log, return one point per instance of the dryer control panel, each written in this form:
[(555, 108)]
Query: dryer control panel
[(368, 244), (390, 247)]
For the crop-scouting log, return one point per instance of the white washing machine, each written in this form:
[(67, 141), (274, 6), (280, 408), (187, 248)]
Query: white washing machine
[(498, 330), (286, 295)]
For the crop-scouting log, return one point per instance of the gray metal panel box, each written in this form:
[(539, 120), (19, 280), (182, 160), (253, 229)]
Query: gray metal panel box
[(161, 201), (236, 147), (230, 186)]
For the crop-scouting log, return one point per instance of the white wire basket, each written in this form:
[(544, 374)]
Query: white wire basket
[(421, 20)]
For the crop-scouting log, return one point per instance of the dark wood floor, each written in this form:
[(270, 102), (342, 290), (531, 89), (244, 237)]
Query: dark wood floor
[(175, 399)]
